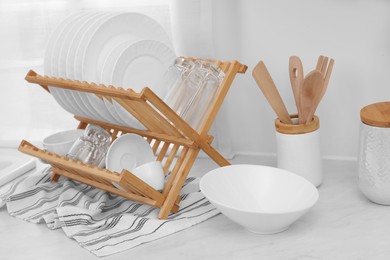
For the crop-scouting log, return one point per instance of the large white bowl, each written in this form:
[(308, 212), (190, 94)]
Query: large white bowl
[(262, 199)]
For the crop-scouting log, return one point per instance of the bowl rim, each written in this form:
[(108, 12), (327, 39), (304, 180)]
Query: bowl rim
[(315, 200), (78, 131)]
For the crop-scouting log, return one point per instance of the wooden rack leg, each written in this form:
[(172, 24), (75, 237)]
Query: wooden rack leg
[(82, 125), (54, 176), (214, 154), (178, 183)]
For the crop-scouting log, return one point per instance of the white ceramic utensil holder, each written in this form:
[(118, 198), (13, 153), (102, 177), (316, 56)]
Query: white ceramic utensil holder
[(374, 153), (298, 149)]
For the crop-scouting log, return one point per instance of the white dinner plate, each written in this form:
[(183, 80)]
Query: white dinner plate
[(113, 31), (106, 36), (128, 152), (67, 96), (50, 56), (105, 78), (74, 97), (105, 106), (81, 98), (99, 105), (141, 64), (74, 67), (53, 39), (83, 44), (111, 109)]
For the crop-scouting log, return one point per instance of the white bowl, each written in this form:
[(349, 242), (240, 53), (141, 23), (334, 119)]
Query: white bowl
[(61, 142), (152, 173), (264, 200)]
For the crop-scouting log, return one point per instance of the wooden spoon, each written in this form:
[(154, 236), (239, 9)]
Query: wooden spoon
[(312, 89), (267, 86), (296, 79)]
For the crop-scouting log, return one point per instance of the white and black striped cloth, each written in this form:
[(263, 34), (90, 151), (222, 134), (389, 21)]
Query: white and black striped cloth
[(100, 222)]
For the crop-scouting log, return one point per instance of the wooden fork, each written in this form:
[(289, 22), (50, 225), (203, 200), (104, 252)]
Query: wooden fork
[(326, 69)]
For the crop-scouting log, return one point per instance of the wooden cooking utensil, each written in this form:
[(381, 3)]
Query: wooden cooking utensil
[(320, 62), (267, 86), (326, 70), (296, 78), (312, 90)]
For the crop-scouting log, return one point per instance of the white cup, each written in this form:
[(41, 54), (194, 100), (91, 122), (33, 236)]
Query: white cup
[(298, 149), (61, 142), (152, 173)]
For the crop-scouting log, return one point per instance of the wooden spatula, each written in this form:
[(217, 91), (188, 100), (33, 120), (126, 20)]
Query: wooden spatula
[(311, 92), (267, 86), (295, 69)]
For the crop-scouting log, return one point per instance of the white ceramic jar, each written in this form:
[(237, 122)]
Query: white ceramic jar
[(298, 149), (374, 152)]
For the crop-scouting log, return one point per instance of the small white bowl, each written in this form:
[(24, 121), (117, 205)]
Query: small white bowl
[(152, 173), (61, 142), (264, 200)]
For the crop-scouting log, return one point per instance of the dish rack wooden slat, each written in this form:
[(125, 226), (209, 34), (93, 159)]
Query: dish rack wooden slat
[(175, 143)]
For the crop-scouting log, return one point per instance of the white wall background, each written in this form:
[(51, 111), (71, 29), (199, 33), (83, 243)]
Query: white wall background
[(356, 33)]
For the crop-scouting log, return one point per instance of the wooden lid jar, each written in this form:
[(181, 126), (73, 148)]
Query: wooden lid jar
[(377, 114), (374, 152)]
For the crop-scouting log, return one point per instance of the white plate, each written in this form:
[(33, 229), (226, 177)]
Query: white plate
[(104, 37), (74, 66), (111, 109), (50, 56), (53, 39), (66, 95), (68, 37), (73, 71), (118, 28), (83, 44), (105, 78), (141, 64), (128, 152), (99, 105), (95, 105), (81, 98), (129, 119)]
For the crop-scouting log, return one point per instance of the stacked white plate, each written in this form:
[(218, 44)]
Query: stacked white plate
[(128, 50)]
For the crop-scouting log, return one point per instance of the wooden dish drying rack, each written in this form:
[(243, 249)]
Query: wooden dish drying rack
[(169, 135)]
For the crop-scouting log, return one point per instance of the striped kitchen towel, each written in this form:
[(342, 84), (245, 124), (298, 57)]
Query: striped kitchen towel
[(100, 222)]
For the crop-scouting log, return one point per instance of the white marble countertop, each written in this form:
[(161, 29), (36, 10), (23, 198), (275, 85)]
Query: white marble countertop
[(342, 225)]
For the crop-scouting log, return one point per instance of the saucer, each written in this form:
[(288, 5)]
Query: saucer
[(128, 152)]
